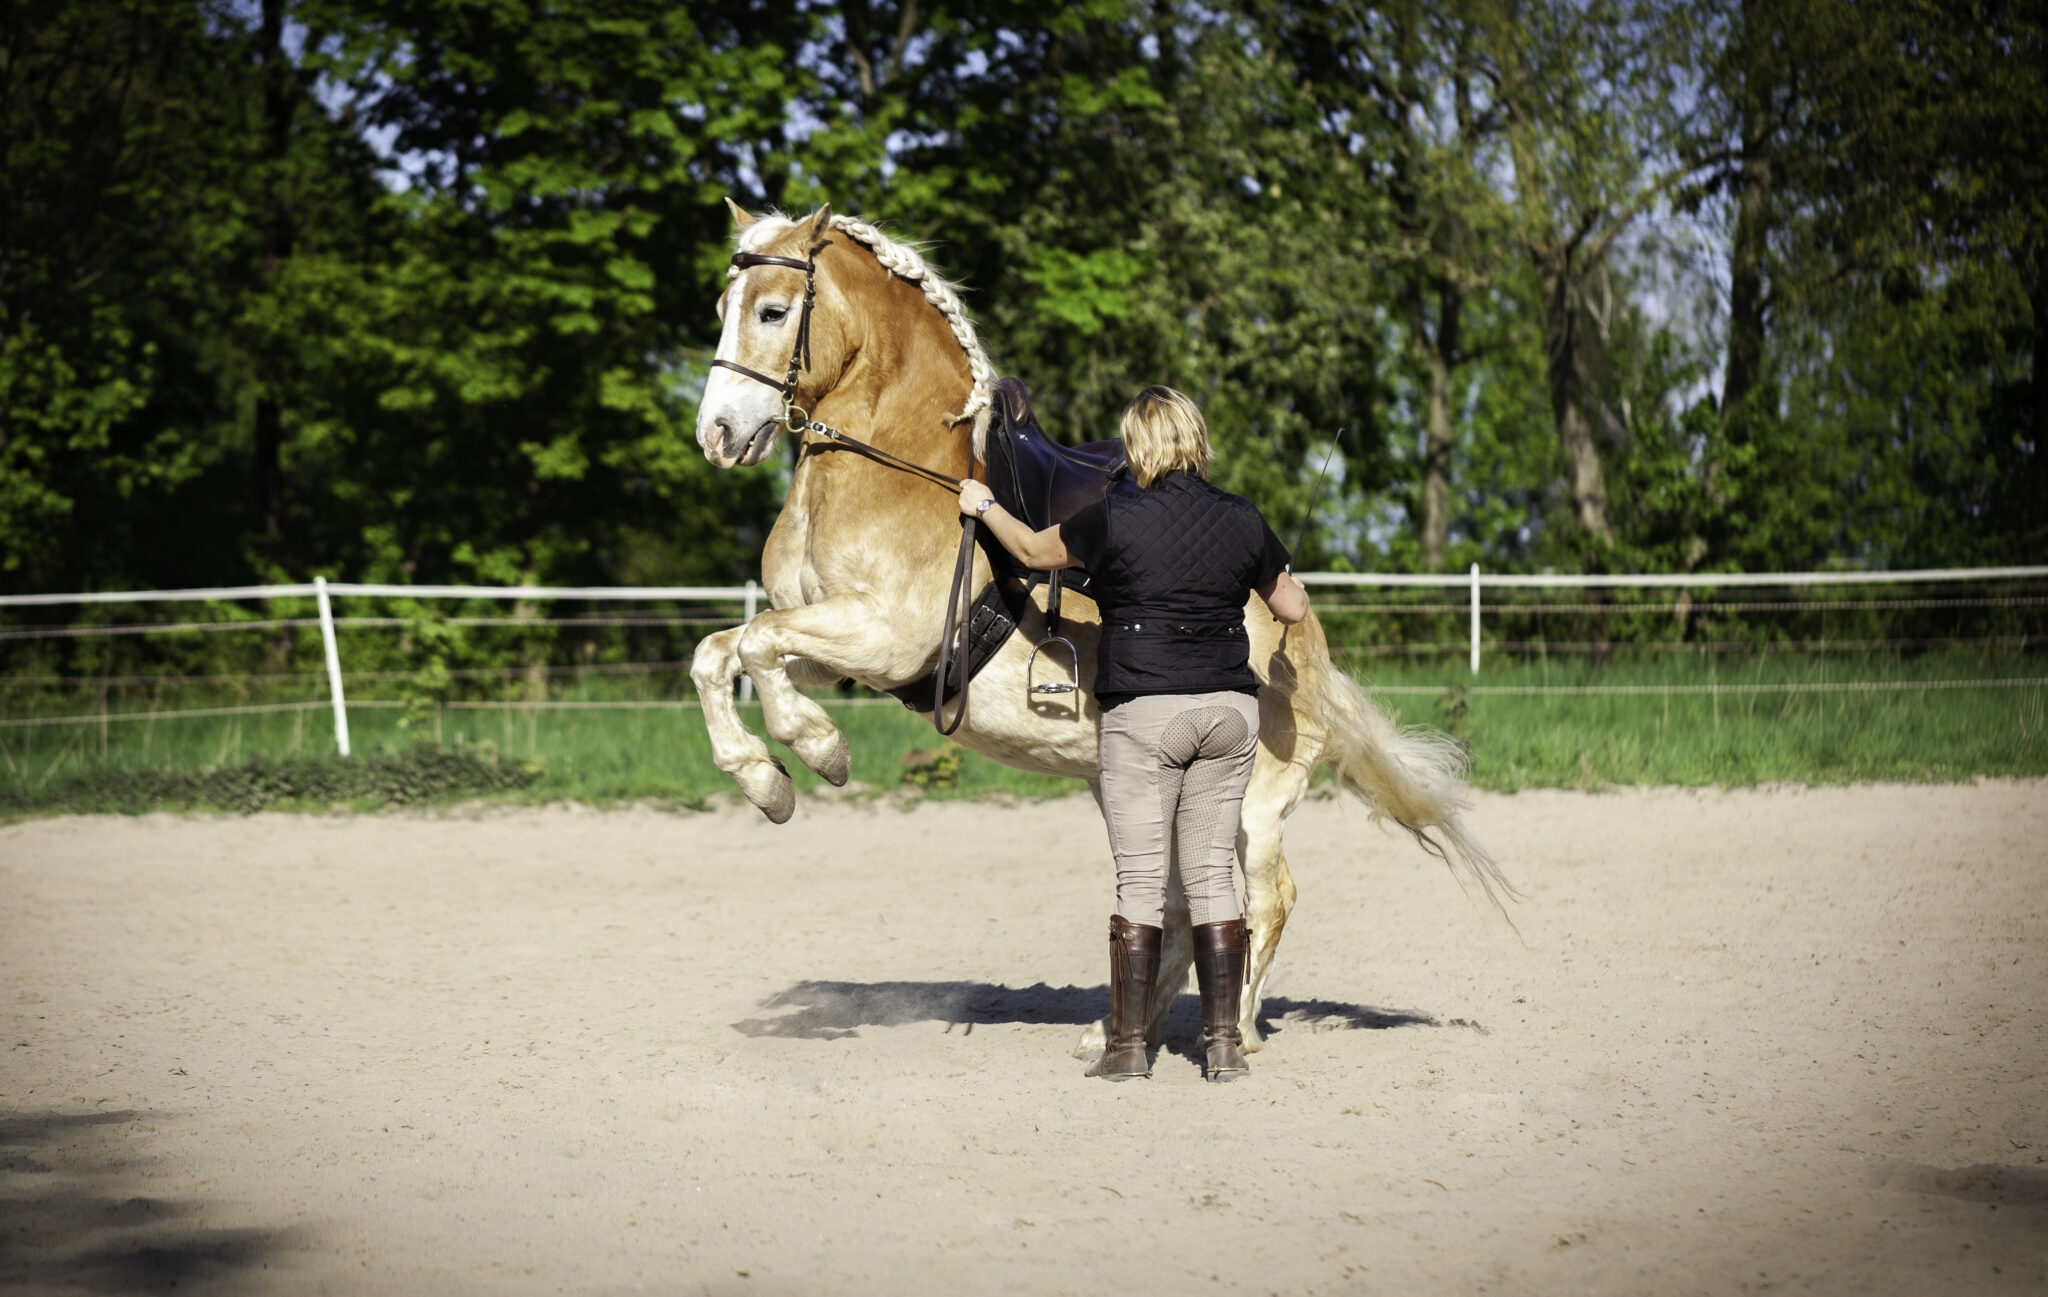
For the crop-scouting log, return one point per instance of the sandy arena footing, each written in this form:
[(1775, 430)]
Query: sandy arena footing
[(1782, 1040)]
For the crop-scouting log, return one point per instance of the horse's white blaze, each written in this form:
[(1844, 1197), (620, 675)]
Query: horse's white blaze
[(735, 407)]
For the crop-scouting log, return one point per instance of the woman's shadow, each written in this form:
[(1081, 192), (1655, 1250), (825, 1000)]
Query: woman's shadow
[(820, 1010)]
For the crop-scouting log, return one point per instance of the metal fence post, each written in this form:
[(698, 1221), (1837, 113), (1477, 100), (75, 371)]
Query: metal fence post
[(753, 606), (1475, 619), (333, 665)]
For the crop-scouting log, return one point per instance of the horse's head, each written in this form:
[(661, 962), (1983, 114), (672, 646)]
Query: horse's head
[(761, 314)]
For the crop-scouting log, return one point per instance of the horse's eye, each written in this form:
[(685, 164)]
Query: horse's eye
[(773, 314)]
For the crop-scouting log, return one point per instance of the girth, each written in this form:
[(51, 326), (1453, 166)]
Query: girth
[(990, 623)]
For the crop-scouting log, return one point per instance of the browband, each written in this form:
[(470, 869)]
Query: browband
[(745, 260)]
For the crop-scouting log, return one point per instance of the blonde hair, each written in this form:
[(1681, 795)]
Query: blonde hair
[(1164, 431)]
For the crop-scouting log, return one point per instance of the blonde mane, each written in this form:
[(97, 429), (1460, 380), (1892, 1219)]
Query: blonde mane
[(904, 262)]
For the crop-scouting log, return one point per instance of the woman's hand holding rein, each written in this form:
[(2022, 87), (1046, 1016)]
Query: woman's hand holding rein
[(1043, 550)]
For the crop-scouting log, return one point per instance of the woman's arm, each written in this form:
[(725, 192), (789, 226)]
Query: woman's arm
[(1286, 597), (1043, 550)]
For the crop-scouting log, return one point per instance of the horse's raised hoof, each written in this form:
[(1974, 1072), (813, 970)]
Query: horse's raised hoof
[(767, 785), (1094, 1039), (827, 757)]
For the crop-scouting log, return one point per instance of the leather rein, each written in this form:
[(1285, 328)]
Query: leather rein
[(798, 421)]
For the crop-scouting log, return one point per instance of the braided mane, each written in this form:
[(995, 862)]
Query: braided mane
[(904, 262)]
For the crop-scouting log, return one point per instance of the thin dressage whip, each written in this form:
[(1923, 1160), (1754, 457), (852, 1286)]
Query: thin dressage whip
[(1314, 495)]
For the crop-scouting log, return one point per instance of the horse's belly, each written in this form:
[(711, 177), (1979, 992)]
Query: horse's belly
[(1047, 734)]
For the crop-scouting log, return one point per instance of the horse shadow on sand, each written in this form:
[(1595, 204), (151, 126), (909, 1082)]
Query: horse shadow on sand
[(820, 1010), (74, 1223)]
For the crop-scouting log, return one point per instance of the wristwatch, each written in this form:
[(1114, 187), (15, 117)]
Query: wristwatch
[(983, 507)]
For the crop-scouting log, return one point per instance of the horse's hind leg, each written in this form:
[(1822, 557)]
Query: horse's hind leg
[(851, 636), (1275, 789), (1176, 957)]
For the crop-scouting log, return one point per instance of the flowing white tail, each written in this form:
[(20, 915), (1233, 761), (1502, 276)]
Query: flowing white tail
[(1411, 775)]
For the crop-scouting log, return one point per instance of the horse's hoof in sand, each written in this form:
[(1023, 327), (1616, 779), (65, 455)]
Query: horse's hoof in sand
[(827, 757), (768, 787), (1094, 1039)]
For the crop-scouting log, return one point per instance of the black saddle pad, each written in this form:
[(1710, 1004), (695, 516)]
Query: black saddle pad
[(1038, 480)]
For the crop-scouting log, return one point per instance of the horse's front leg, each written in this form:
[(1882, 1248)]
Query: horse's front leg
[(848, 636), (734, 748)]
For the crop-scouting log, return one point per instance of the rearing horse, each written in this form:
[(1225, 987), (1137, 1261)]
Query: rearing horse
[(856, 568)]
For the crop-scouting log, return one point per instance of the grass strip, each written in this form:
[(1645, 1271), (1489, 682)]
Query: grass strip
[(1571, 724)]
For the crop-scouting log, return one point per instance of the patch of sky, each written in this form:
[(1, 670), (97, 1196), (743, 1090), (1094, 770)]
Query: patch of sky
[(1384, 521), (683, 372)]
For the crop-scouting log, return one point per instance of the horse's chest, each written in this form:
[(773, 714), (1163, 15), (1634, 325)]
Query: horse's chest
[(789, 562)]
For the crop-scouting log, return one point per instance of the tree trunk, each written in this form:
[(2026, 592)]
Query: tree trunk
[(1746, 287), (1588, 483), (1752, 228), (2040, 349), (1440, 358), (1564, 362), (1563, 264), (277, 109)]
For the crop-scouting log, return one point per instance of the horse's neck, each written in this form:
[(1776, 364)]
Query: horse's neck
[(851, 523), (909, 374)]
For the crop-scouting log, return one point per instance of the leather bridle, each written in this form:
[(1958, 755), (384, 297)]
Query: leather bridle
[(799, 421), (794, 417)]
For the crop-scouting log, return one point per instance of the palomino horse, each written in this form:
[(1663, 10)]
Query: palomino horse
[(857, 570)]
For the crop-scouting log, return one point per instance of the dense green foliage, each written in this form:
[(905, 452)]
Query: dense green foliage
[(405, 291), (388, 290)]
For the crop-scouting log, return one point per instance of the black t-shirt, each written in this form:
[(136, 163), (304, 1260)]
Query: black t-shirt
[(1171, 566)]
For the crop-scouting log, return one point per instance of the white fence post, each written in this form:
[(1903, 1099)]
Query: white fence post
[(1475, 619), (753, 606), (333, 665)]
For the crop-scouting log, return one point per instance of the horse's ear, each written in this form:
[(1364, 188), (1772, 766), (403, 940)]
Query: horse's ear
[(741, 217), (821, 221)]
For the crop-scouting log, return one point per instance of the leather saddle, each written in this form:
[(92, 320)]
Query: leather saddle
[(1043, 483), (1034, 477)]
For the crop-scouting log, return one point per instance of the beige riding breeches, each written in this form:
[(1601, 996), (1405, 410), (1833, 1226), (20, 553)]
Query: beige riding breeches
[(1173, 775)]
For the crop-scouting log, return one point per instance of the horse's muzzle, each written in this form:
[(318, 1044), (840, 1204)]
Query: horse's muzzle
[(756, 447), (740, 451)]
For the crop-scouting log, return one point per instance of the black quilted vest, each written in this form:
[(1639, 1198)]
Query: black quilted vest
[(1179, 567)]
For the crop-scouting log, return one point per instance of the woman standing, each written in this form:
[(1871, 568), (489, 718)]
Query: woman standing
[(1173, 562)]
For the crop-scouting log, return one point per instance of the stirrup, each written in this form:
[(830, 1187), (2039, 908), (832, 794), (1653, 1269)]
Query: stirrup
[(1054, 686)]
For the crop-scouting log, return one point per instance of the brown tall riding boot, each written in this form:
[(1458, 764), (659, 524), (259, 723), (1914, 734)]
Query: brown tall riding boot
[(1133, 967), (1220, 950)]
